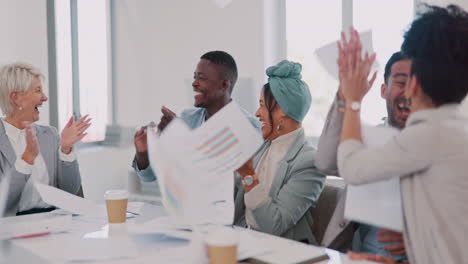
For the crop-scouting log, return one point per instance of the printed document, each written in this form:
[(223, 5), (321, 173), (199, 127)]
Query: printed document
[(68, 202), (195, 168), (377, 203), (328, 54)]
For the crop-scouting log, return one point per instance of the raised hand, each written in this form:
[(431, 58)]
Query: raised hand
[(140, 141), (353, 69), (32, 145), (73, 132), (141, 146), (167, 117)]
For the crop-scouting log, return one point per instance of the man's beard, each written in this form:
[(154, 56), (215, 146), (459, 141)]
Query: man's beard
[(400, 104)]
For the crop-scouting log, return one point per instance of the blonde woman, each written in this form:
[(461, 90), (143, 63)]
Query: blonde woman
[(30, 152)]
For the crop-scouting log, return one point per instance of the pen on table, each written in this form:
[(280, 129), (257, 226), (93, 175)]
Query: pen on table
[(32, 235)]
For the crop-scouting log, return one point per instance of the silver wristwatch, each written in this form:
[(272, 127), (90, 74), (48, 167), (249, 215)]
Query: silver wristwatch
[(248, 180)]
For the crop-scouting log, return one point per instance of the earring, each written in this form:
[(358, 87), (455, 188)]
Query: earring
[(20, 108), (279, 127)]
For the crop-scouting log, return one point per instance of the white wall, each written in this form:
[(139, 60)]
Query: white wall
[(104, 168), (159, 44), (23, 27)]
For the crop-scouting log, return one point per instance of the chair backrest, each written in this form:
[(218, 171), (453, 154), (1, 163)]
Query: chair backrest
[(80, 192), (323, 211)]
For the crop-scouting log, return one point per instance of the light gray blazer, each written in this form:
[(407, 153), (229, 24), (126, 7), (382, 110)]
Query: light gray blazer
[(63, 175), (326, 161), (295, 189), (430, 156)]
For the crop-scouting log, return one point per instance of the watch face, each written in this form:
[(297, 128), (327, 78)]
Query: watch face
[(355, 105), (248, 180)]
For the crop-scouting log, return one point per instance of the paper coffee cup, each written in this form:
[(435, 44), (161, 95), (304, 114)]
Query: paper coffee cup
[(116, 203), (222, 246)]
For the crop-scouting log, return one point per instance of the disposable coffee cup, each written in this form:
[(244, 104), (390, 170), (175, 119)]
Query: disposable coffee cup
[(222, 246), (116, 203)]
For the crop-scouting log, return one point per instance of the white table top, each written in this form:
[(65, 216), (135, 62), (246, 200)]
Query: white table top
[(84, 234)]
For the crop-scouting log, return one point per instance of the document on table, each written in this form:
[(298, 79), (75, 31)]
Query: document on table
[(68, 202), (328, 54), (264, 248), (377, 203), (195, 167), (33, 225), (65, 248)]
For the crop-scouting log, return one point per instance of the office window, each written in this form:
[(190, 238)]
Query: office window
[(388, 20), (312, 24), (82, 55), (64, 62)]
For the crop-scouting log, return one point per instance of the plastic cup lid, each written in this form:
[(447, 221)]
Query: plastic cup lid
[(116, 195), (222, 237)]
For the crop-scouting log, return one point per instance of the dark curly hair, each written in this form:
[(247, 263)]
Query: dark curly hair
[(437, 44)]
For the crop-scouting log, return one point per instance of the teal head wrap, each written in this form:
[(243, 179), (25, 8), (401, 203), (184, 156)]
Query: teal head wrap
[(291, 93)]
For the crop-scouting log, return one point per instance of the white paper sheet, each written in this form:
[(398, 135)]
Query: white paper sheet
[(195, 167), (267, 248), (68, 202), (328, 54), (377, 203), (34, 224), (72, 248)]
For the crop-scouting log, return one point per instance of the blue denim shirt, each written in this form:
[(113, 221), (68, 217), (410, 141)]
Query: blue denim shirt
[(193, 117), (367, 242)]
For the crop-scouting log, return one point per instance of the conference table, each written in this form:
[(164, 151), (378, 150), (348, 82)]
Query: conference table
[(148, 236)]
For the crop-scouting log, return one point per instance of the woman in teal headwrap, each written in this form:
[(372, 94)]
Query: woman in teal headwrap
[(279, 185)]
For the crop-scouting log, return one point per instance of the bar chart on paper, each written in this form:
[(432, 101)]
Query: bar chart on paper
[(216, 145)]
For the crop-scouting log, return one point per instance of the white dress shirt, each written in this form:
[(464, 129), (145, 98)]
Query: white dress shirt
[(30, 198), (266, 171)]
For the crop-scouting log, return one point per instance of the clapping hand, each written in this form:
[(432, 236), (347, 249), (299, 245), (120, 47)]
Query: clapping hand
[(73, 132), (353, 69), (32, 145), (167, 117)]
